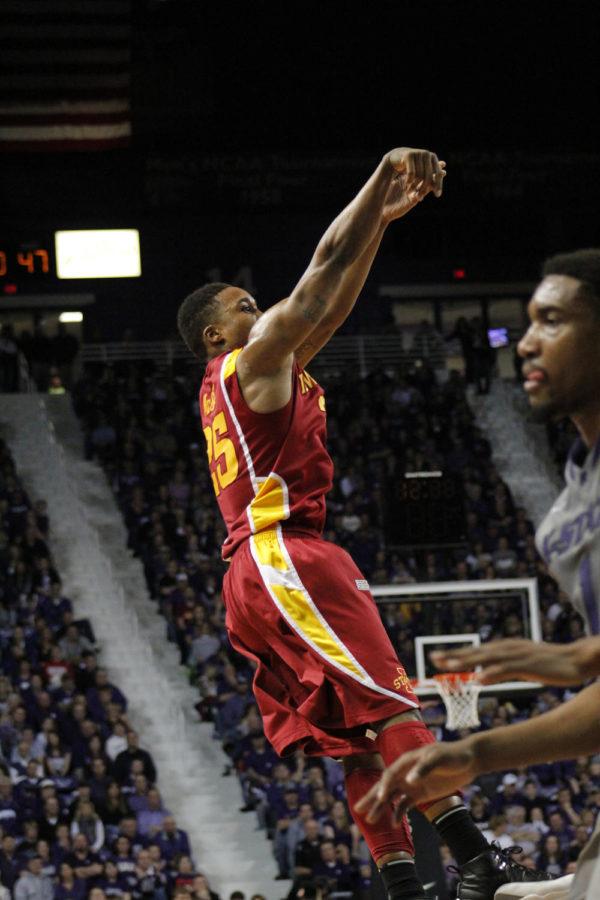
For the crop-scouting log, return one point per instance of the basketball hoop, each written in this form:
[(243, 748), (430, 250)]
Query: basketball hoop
[(460, 693)]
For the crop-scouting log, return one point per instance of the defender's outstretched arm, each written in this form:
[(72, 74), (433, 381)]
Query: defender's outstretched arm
[(508, 660), (572, 729)]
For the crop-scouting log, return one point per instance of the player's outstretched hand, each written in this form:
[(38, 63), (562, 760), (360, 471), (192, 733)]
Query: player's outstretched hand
[(419, 172), (558, 664), (418, 168), (436, 770)]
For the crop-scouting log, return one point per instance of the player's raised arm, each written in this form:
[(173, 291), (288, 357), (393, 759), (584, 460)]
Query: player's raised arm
[(573, 729), (508, 660), (398, 203), (355, 232)]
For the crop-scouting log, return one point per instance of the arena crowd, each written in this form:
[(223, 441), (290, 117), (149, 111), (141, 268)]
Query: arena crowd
[(141, 423), (81, 814)]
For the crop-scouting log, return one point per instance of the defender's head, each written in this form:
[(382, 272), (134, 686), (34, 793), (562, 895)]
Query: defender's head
[(215, 318), (561, 347)]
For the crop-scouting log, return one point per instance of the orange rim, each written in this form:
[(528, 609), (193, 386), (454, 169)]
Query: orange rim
[(455, 677)]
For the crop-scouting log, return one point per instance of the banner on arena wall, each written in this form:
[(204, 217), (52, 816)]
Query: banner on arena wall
[(65, 81)]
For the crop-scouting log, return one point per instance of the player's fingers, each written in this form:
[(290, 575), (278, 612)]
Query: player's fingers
[(401, 806), (455, 660), (376, 810), (432, 168), (493, 674), (427, 168), (420, 770), (368, 799), (440, 174), (376, 801), (420, 166), (423, 188), (410, 174), (379, 797), (373, 804)]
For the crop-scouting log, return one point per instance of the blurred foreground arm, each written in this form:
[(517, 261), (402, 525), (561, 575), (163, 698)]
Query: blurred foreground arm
[(559, 664), (573, 729)]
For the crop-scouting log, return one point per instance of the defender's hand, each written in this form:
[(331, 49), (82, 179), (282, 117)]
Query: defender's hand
[(558, 664), (419, 170), (418, 776)]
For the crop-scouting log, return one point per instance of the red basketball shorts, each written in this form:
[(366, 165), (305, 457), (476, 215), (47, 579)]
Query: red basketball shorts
[(300, 608)]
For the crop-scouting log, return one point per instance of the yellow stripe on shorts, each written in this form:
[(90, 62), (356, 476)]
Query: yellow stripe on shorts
[(296, 605)]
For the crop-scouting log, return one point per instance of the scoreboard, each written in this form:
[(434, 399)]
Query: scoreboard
[(27, 261), (425, 509), (39, 260)]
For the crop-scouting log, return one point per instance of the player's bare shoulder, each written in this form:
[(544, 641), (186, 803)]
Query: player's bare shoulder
[(266, 388)]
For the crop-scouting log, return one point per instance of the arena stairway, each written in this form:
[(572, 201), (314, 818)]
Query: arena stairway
[(520, 447), (89, 542)]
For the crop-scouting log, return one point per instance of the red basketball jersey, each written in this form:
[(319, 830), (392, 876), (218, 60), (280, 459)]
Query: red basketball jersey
[(265, 467)]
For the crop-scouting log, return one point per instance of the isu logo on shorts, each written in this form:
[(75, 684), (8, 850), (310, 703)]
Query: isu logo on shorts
[(402, 682), (362, 584)]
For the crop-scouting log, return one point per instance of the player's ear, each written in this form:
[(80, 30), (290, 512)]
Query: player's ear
[(213, 336)]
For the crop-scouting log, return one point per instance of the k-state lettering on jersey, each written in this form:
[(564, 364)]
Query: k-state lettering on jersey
[(266, 468), (569, 537)]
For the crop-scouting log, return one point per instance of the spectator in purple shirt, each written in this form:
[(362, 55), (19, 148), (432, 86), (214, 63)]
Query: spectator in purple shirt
[(338, 875), (8, 805), (287, 812), (172, 840), (53, 605), (559, 827), (150, 820), (50, 819), (85, 862), (137, 798), (9, 861), (129, 828), (94, 699), (122, 765), (123, 856), (69, 887), (112, 882), (256, 767), (150, 884)]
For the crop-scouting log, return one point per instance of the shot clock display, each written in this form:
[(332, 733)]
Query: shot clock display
[(26, 261), (82, 254), (425, 509)]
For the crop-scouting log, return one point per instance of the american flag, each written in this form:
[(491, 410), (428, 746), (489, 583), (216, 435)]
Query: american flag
[(64, 74)]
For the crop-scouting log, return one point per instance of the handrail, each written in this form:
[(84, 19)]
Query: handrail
[(368, 352)]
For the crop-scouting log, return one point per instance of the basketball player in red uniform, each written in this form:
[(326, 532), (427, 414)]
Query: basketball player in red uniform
[(327, 679)]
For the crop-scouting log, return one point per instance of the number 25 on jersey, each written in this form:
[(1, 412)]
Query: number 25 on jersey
[(222, 452)]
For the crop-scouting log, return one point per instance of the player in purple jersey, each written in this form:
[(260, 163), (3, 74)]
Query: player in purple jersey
[(561, 353)]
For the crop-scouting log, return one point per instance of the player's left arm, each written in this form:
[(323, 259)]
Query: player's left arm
[(398, 203)]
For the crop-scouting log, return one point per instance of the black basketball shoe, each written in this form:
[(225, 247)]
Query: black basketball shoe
[(483, 875)]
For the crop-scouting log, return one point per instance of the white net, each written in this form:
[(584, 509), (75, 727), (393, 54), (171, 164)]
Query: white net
[(460, 693)]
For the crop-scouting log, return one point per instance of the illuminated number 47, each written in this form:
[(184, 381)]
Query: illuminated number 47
[(220, 450), (28, 260)]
